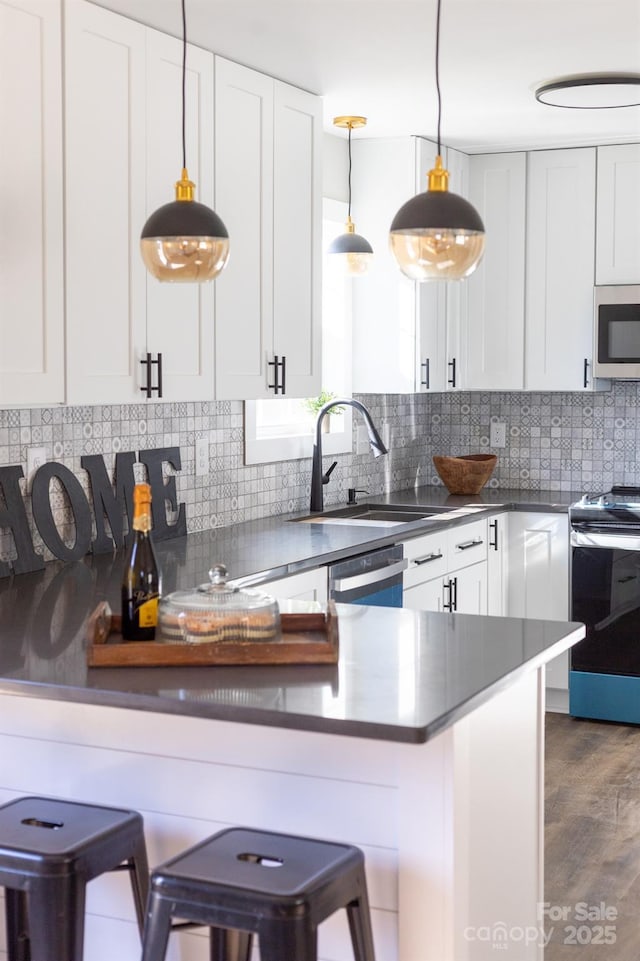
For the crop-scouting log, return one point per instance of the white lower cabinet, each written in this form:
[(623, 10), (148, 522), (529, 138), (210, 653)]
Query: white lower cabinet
[(539, 576), (448, 570), (497, 564), (303, 586)]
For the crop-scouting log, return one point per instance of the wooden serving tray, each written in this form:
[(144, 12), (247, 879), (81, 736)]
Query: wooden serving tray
[(307, 638)]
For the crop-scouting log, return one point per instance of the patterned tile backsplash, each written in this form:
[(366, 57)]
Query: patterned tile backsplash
[(554, 442)]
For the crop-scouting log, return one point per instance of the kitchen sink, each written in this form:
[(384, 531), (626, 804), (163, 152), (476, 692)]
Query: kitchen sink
[(374, 514)]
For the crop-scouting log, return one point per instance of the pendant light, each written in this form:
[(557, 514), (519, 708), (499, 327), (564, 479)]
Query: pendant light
[(437, 235), (355, 251), (184, 241)]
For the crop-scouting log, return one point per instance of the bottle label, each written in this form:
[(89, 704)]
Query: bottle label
[(147, 612)]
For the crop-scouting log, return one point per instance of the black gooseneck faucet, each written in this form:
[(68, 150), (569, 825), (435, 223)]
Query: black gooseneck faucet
[(317, 477)]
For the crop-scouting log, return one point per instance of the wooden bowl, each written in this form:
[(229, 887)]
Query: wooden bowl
[(466, 474)]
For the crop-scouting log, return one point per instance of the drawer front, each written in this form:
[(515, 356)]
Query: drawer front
[(427, 558), (467, 544)]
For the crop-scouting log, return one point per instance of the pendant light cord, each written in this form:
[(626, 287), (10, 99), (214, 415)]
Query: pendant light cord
[(349, 172), (184, 83), (438, 73)]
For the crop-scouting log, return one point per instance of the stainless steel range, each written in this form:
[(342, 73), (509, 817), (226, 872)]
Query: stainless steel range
[(604, 678)]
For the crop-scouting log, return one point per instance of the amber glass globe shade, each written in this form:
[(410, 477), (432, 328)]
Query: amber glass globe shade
[(184, 241), (437, 254)]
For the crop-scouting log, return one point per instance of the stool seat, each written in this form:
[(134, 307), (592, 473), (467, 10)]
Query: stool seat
[(276, 886), (49, 850)]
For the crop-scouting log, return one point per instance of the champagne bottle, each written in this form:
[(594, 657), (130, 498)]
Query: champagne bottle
[(141, 580)]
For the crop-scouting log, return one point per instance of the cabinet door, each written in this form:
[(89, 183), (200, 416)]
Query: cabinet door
[(618, 203), (470, 589), (180, 320), (432, 299), (539, 575), (428, 596), (497, 564), (297, 234), (457, 296), (384, 300), (105, 203), (31, 239), (493, 331), (244, 200), (560, 250)]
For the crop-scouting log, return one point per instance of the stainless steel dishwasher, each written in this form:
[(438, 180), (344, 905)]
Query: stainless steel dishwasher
[(373, 578)]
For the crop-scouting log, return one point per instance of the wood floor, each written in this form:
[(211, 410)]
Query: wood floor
[(592, 839)]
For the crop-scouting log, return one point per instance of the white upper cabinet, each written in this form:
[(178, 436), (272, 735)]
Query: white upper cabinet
[(384, 300), (180, 317), (31, 238), (268, 192), (123, 138), (560, 255), (618, 215), (493, 329), (405, 333), (105, 203), (297, 236)]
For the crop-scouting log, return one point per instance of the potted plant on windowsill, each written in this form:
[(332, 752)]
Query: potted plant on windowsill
[(314, 404)]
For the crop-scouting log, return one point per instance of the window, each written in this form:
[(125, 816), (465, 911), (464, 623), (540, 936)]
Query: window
[(283, 429)]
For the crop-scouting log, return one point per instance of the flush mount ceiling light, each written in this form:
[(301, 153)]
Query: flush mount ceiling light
[(184, 241), (437, 235), (592, 91), (355, 251)]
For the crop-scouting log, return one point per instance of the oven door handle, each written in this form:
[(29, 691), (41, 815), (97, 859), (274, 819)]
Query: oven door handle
[(370, 577), (620, 542)]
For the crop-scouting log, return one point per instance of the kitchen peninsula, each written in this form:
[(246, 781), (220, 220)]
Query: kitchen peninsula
[(424, 746)]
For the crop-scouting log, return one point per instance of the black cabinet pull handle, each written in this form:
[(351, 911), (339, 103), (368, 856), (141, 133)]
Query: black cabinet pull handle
[(446, 603), (428, 557), (586, 373), (454, 602), (148, 389), (425, 366), (452, 379), (279, 365), (493, 528), (465, 545)]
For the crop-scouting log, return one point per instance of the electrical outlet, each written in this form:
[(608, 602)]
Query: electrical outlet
[(202, 456), (498, 435), (36, 457)]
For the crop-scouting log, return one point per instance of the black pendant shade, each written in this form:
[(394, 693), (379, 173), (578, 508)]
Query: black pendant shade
[(437, 235), (355, 251), (184, 241)]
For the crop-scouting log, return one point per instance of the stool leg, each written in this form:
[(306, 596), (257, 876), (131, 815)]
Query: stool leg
[(289, 940), (18, 948), (157, 928), (139, 873), (227, 944), (360, 928), (56, 920)]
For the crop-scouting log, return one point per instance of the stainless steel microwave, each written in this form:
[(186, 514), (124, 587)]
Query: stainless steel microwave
[(616, 341)]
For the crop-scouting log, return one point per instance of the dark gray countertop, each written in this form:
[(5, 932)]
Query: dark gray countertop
[(451, 662), (276, 546)]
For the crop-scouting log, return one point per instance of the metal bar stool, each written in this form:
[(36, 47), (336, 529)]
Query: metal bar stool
[(49, 850), (276, 886)]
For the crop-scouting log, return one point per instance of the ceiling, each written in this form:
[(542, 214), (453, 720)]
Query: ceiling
[(378, 59)]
